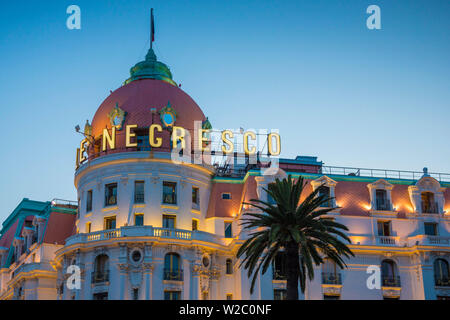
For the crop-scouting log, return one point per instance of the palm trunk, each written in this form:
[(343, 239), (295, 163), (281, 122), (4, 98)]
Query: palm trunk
[(293, 268)]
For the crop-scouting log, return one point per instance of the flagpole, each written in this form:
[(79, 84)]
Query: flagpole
[(151, 29)]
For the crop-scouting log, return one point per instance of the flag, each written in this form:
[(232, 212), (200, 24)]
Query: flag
[(152, 28)]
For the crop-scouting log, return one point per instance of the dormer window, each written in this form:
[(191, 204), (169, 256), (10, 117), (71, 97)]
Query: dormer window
[(326, 187), (325, 192), (429, 205), (380, 195), (427, 196)]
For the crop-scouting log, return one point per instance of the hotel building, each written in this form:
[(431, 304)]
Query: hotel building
[(146, 227)]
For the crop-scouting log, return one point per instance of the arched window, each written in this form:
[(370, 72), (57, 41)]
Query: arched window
[(429, 205), (172, 267), (330, 272), (101, 269), (441, 273), (229, 266), (279, 267), (389, 274)]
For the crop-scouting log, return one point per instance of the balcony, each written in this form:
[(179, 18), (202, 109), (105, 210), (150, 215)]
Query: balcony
[(430, 207), (279, 275), (386, 240), (174, 275), (382, 205), (331, 278), (442, 281), (391, 281), (100, 277)]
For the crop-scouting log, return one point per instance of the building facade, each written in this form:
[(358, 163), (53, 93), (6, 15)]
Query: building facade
[(148, 227)]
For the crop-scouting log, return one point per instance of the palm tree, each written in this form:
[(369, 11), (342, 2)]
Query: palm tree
[(294, 228)]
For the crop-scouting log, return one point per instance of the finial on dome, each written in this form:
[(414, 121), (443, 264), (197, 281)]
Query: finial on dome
[(151, 68)]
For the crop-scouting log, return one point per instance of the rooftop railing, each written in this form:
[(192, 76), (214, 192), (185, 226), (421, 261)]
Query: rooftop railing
[(383, 173)]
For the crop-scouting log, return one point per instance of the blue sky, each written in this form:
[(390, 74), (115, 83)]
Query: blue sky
[(336, 90)]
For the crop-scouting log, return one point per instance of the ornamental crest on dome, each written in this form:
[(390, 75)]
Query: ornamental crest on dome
[(168, 116), (117, 117)]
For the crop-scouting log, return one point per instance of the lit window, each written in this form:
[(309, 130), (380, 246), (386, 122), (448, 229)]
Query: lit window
[(88, 227), (111, 194), (228, 229), (169, 192), (194, 224), (110, 223), (168, 221), (172, 295), (384, 228), (324, 191), (229, 296), (172, 267), (138, 219), (89, 201), (139, 192), (382, 203)]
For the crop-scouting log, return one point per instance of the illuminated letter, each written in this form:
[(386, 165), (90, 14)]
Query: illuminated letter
[(176, 137), (270, 144), (77, 162), (253, 136), (111, 139), (82, 150), (151, 136), (129, 135), (227, 142), (374, 21), (201, 138)]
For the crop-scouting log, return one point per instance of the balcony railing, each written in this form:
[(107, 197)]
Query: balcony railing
[(442, 281), (145, 231), (279, 275), (176, 275), (391, 281), (386, 240), (139, 198), (383, 205), (430, 207), (100, 276), (331, 278)]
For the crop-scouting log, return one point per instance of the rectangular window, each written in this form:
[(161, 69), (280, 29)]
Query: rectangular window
[(194, 224), (100, 296), (110, 194), (88, 227), (226, 196), (228, 229), (135, 294), (139, 192), (89, 201), (229, 296), (168, 221), (430, 228), (110, 223), (172, 295), (195, 197), (384, 228), (138, 219), (169, 192), (279, 294)]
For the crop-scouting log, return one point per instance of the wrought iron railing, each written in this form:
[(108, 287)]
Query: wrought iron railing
[(279, 275), (100, 276), (331, 278), (170, 274), (391, 281), (383, 205), (442, 281), (430, 207)]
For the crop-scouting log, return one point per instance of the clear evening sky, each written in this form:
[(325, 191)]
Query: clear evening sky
[(336, 90)]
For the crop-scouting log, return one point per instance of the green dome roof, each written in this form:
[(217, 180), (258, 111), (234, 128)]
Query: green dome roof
[(151, 68)]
